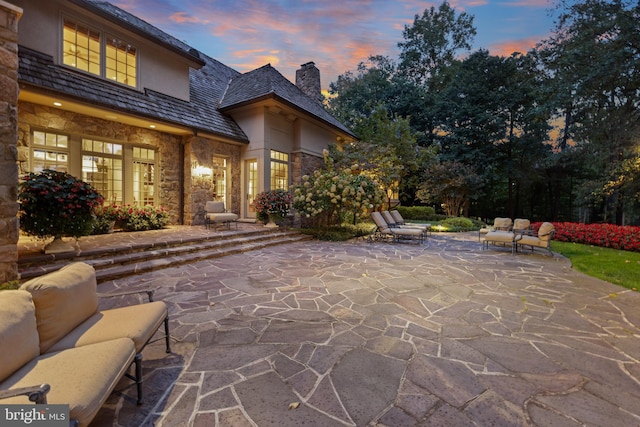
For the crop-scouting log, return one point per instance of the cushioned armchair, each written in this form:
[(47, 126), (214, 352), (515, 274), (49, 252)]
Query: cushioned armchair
[(499, 224), (215, 213), (540, 240)]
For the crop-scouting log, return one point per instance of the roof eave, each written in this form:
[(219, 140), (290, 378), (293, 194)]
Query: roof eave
[(276, 97)]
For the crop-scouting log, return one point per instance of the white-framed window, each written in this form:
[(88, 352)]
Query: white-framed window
[(102, 168), (107, 56), (49, 151), (279, 170)]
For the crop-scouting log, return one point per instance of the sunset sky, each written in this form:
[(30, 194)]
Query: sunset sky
[(335, 34)]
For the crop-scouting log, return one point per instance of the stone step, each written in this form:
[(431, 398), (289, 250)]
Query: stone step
[(120, 261)]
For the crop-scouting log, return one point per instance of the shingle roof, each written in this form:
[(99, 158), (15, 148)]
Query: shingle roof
[(266, 82), (201, 114)]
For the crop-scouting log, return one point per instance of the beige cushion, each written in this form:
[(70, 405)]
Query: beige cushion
[(137, 322), (221, 217), (18, 332), (521, 224), (82, 377), (214, 207), (499, 236), (63, 299), (545, 230)]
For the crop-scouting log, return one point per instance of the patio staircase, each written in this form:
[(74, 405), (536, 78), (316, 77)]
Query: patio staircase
[(126, 260)]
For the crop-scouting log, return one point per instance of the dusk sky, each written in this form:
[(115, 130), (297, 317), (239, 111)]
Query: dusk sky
[(335, 34)]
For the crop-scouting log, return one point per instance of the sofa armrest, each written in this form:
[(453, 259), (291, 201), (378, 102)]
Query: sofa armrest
[(36, 394), (149, 293)]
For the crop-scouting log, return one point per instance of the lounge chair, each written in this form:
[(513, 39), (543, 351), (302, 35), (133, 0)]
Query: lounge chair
[(397, 217), (391, 222), (542, 239), (383, 230)]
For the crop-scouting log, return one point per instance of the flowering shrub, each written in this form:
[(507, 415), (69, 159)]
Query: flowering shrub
[(134, 218), (55, 203), (273, 202), (606, 235), (328, 195)]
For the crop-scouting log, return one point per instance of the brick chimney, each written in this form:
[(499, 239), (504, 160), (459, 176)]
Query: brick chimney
[(308, 80)]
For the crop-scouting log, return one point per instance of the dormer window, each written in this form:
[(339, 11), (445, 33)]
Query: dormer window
[(107, 56)]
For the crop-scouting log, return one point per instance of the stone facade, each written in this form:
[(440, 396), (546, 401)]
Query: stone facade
[(200, 151), (176, 157), (9, 225), (304, 164)]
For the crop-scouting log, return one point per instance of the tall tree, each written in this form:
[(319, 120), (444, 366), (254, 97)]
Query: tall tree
[(594, 58)]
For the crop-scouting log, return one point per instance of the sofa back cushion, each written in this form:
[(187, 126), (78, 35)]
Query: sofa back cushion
[(18, 332), (214, 207), (502, 223), (63, 300), (521, 224)]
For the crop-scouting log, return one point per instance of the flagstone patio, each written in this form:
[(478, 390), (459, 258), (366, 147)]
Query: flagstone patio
[(379, 334)]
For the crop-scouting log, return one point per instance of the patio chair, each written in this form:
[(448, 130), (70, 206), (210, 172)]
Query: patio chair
[(383, 231), (215, 213), (391, 222), (522, 226), (542, 239), (499, 224), (397, 217)]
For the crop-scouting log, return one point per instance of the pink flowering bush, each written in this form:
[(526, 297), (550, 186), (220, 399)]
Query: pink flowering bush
[(135, 218), (273, 202), (605, 235)]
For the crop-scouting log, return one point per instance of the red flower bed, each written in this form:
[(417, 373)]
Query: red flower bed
[(606, 235)]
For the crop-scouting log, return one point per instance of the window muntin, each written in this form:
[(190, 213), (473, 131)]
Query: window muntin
[(120, 61), (143, 176), (50, 151), (84, 49), (102, 168), (81, 47), (279, 170)]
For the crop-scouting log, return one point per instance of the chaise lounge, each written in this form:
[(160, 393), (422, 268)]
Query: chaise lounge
[(383, 231)]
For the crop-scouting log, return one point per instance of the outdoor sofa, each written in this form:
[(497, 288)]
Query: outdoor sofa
[(59, 348)]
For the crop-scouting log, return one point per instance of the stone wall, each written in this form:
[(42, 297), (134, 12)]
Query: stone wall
[(304, 164), (9, 225), (200, 151), (169, 146)]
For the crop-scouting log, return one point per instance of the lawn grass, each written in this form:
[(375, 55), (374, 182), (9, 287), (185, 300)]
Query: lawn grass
[(615, 266)]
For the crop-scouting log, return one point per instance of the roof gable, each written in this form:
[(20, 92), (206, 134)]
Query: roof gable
[(266, 82)]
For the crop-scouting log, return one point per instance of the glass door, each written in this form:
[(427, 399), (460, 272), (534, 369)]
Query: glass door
[(251, 186)]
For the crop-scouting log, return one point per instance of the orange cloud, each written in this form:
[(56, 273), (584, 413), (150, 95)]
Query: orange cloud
[(183, 18), (511, 46)]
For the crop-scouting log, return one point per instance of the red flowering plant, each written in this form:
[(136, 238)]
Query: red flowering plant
[(605, 235), (273, 202), (57, 204)]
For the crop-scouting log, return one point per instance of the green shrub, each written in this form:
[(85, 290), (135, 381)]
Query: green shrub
[(14, 284), (456, 224), (340, 233), (417, 213)]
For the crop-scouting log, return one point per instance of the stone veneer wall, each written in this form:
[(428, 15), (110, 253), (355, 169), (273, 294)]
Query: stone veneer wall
[(167, 166), (200, 190), (9, 225), (304, 164)]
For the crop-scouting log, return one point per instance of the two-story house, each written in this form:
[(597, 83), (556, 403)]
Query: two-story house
[(146, 119)]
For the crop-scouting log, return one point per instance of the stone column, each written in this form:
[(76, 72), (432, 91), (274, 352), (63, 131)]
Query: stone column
[(9, 225)]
